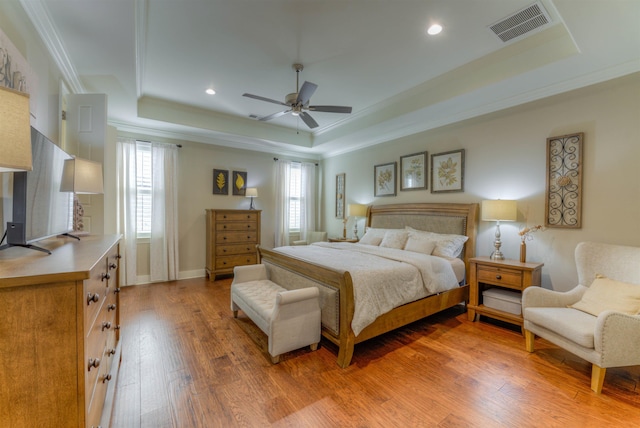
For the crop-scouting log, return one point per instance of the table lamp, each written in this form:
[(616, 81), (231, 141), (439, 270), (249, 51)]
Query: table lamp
[(81, 176), (499, 210), (251, 192), (356, 211)]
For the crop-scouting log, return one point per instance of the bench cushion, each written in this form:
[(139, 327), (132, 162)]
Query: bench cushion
[(257, 299)]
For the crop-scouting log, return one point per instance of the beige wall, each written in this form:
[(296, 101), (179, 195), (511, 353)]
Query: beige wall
[(506, 159)]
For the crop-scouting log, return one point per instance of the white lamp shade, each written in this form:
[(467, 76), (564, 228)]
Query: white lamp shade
[(357, 210), (82, 176), (15, 131), (251, 192), (499, 210)]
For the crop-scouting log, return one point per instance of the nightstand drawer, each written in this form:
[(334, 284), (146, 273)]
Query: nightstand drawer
[(500, 276)]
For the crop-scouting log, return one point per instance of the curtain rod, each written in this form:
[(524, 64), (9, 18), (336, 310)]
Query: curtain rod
[(147, 141), (276, 159)]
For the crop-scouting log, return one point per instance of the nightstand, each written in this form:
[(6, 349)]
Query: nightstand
[(511, 275), (352, 240)]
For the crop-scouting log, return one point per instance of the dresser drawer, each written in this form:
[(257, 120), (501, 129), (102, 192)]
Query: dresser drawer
[(95, 291), (237, 216), (231, 250), (235, 227), (239, 260), (500, 276), (237, 237)]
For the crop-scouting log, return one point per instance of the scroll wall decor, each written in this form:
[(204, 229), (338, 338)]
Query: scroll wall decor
[(563, 202)]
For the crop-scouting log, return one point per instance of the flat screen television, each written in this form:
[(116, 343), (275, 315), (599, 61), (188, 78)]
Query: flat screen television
[(40, 209)]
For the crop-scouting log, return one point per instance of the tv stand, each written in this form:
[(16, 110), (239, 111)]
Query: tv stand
[(31, 247), (71, 235)]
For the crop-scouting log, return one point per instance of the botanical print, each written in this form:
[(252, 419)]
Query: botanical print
[(413, 170), (220, 182), (340, 194), (239, 183), (385, 179), (448, 172)]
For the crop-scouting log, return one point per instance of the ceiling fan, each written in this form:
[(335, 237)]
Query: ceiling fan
[(298, 102)]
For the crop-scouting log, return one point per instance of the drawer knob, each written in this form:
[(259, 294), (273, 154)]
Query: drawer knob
[(105, 276), (106, 378), (93, 362), (498, 276), (117, 327), (106, 325), (110, 352), (224, 238), (224, 226), (112, 265), (118, 256), (116, 291), (92, 297), (111, 307)]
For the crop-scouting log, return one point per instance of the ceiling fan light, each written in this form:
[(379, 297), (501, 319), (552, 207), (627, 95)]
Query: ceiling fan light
[(295, 113), (434, 29)]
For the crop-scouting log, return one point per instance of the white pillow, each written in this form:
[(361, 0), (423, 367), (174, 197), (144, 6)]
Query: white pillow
[(419, 244), (447, 245), (395, 238), (372, 236), (606, 294)]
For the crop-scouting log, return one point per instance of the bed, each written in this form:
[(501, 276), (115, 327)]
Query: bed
[(293, 269)]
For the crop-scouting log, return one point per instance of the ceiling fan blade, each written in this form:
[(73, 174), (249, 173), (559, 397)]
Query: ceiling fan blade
[(258, 97), (306, 118), (331, 109), (305, 92), (274, 115)]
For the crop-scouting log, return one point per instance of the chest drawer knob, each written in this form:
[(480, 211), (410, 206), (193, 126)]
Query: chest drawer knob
[(117, 327), (110, 352), (106, 378), (92, 298), (111, 307), (93, 362), (105, 276), (113, 266), (116, 291), (498, 276), (106, 325)]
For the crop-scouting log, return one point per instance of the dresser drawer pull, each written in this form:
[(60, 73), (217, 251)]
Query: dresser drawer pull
[(224, 226), (106, 325), (224, 238), (111, 307), (116, 291), (105, 276), (92, 297), (106, 378), (118, 256), (498, 276), (112, 265), (117, 327), (93, 362), (111, 352)]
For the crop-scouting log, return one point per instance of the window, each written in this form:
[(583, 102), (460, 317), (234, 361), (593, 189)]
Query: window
[(295, 193), (143, 183)]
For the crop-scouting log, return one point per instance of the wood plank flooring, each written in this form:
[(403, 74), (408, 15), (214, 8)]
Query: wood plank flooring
[(186, 362)]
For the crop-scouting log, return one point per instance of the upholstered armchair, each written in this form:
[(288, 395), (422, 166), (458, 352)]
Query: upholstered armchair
[(598, 319), (312, 236)]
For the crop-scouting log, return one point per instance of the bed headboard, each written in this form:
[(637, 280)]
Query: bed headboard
[(459, 219)]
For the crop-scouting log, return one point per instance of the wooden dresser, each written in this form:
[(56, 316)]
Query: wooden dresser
[(59, 335), (232, 236)]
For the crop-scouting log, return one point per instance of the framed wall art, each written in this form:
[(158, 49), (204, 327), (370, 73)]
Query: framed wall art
[(220, 182), (413, 171), (447, 172), (563, 201), (384, 179), (239, 183), (340, 194)]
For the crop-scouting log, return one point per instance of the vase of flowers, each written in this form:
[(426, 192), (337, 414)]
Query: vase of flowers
[(525, 235)]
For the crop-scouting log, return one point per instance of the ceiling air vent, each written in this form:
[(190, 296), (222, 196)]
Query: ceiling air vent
[(522, 22)]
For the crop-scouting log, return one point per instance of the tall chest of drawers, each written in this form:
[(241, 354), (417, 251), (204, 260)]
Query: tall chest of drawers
[(232, 236), (59, 347)]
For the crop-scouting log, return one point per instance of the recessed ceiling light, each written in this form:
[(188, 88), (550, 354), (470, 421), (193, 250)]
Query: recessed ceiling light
[(434, 29), (210, 91)]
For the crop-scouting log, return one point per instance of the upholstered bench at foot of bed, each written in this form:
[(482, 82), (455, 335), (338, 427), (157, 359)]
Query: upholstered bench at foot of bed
[(290, 318)]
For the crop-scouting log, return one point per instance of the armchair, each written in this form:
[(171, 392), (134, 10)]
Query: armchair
[(610, 339), (312, 236)]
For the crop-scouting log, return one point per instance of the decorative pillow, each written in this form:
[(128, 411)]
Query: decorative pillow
[(372, 236), (606, 294), (447, 245), (419, 244), (394, 238)]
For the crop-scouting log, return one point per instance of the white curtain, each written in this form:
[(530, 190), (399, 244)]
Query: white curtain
[(307, 199), (163, 241), (283, 174), (164, 213), (127, 207)]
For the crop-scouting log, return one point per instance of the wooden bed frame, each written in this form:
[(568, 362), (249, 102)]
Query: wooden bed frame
[(441, 218)]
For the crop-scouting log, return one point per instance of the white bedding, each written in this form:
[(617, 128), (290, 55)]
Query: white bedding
[(383, 278)]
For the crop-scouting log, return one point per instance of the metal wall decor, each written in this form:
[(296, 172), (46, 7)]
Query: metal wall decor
[(563, 202), (239, 183), (220, 182), (340, 194)]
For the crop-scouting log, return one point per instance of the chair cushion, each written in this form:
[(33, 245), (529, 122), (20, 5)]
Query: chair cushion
[(575, 325), (607, 294)]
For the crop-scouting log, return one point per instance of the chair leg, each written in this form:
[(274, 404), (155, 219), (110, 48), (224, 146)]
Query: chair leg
[(597, 378), (529, 337)]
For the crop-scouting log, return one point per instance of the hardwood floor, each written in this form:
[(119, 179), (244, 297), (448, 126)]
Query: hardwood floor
[(186, 362)]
